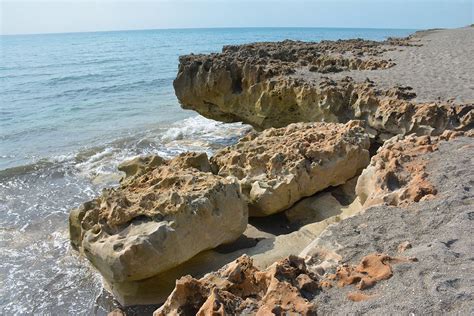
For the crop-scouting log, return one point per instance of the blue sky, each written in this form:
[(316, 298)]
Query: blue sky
[(45, 16)]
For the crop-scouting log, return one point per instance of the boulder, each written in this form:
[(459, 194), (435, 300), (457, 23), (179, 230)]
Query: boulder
[(158, 219), (278, 167)]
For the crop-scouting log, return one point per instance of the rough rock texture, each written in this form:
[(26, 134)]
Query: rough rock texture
[(274, 84), (148, 224), (397, 173), (266, 240), (372, 269), (114, 231), (239, 288), (440, 233), (278, 167), (414, 198), (286, 287)]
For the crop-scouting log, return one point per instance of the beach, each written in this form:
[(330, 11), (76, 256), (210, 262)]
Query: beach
[(345, 162), (316, 208), (74, 106)]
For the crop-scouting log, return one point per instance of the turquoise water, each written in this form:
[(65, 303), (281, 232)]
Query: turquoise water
[(72, 107)]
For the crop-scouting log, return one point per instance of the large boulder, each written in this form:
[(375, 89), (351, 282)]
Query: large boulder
[(159, 218), (278, 167)]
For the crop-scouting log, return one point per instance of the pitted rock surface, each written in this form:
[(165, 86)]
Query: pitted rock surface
[(239, 288), (278, 167), (397, 173), (275, 84), (148, 224)]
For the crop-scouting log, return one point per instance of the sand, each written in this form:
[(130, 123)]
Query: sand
[(441, 68), (440, 234)]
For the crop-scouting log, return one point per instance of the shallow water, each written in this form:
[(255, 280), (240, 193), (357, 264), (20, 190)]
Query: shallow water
[(72, 107)]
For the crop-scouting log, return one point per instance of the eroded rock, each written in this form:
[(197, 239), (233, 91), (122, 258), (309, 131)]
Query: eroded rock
[(439, 230), (372, 269), (154, 220), (397, 173), (278, 167), (273, 84), (240, 288)]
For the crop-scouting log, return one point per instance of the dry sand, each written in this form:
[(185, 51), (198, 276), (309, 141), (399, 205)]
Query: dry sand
[(440, 233), (441, 68)]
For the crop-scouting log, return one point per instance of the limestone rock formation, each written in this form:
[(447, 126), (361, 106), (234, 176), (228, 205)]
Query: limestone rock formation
[(278, 167), (397, 173), (321, 113), (438, 230), (239, 288), (274, 84), (372, 269), (159, 219), (140, 165), (286, 287)]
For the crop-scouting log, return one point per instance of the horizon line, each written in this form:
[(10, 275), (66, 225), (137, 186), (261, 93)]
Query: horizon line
[(217, 28)]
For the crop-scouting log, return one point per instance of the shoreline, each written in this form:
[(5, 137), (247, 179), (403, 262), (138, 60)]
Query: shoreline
[(36, 204), (278, 84), (408, 208)]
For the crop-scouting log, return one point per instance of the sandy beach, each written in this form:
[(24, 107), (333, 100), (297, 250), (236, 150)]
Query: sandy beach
[(439, 66), (236, 158), (344, 198)]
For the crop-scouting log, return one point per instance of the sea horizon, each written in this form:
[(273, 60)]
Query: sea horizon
[(218, 28)]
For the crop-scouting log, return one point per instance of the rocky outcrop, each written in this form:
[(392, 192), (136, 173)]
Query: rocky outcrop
[(144, 234), (189, 215), (437, 231), (239, 288), (148, 224), (254, 83), (286, 287), (397, 173), (273, 84), (278, 167)]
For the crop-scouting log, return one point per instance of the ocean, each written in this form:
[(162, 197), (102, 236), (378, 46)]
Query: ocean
[(72, 107)]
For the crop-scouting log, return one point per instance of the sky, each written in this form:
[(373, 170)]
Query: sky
[(60, 16)]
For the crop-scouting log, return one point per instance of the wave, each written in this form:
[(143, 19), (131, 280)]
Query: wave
[(72, 78), (132, 86), (62, 65), (203, 128), (191, 134), (25, 169)]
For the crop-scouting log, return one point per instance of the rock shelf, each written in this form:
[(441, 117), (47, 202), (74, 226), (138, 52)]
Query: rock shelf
[(349, 165)]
